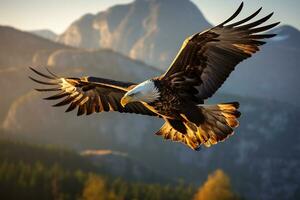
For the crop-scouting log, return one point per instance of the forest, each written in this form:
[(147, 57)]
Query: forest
[(30, 171)]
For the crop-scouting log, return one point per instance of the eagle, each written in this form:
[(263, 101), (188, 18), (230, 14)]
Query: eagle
[(201, 66)]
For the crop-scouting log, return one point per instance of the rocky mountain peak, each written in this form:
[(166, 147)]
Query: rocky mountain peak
[(146, 30)]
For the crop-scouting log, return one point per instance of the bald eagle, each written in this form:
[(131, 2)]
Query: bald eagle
[(203, 63)]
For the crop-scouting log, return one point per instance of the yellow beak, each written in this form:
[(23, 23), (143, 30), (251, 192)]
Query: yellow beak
[(125, 100)]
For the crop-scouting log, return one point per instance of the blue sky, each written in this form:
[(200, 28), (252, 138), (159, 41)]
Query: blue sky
[(58, 14)]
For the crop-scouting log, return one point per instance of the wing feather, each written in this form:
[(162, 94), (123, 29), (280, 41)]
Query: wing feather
[(89, 94), (209, 57)]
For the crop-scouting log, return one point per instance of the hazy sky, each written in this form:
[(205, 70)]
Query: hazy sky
[(58, 14)]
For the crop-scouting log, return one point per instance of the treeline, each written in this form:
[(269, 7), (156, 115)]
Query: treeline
[(47, 172), (36, 181), (38, 172)]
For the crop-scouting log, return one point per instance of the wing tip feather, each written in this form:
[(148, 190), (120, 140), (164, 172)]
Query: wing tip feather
[(235, 14), (246, 19)]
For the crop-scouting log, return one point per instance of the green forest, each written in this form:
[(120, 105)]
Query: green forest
[(46, 172)]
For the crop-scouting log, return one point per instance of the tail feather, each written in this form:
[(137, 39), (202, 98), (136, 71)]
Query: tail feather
[(220, 120)]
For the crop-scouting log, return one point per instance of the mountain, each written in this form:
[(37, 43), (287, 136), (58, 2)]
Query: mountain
[(45, 33), (287, 36), (81, 33), (147, 30), (19, 50), (272, 73)]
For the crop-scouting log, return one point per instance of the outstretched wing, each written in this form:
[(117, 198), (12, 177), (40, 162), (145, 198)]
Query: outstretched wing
[(90, 94), (206, 59)]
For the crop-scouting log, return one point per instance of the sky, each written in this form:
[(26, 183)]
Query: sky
[(57, 15)]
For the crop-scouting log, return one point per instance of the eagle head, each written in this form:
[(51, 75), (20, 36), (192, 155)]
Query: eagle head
[(146, 92)]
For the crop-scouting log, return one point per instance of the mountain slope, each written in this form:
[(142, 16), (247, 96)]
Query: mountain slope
[(287, 36), (81, 33), (18, 51), (18, 48), (147, 30)]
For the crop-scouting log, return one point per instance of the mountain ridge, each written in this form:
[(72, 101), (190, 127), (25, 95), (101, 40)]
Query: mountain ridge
[(45, 33)]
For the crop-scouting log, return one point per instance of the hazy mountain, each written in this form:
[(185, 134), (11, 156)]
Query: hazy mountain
[(19, 50), (81, 33), (287, 36), (147, 30), (45, 33), (272, 73)]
